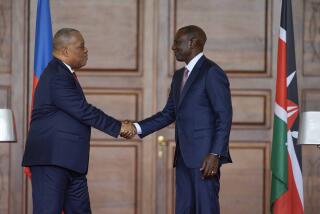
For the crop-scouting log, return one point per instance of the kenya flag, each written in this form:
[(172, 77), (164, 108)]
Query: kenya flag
[(287, 185)]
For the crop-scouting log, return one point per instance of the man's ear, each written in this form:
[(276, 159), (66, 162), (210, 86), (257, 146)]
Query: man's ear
[(192, 43), (65, 51)]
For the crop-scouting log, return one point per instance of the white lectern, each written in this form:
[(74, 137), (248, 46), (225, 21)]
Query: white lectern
[(7, 126), (310, 128)]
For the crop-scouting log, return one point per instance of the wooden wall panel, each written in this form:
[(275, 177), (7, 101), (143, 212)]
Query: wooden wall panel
[(312, 38), (311, 157), (236, 31), (112, 178), (4, 97), (251, 108), (5, 35), (121, 104), (4, 177), (244, 183), (110, 29), (309, 85), (310, 100), (311, 178)]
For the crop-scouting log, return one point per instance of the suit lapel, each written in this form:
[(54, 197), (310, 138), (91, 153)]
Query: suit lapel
[(70, 74), (65, 67), (194, 73)]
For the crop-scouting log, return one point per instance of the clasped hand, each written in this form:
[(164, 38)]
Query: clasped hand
[(128, 130)]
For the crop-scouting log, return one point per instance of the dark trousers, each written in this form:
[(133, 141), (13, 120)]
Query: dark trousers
[(55, 189), (195, 195)]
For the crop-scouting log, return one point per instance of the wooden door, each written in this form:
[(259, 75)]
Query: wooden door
[(241, 45), (118, 79)]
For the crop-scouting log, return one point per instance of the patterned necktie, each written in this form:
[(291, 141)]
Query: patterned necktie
[(184, 79)]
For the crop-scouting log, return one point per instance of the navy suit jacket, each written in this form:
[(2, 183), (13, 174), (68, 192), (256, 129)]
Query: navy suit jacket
[(61, 122), (202, 112)]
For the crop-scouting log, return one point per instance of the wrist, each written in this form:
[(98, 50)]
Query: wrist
[(216, 155)]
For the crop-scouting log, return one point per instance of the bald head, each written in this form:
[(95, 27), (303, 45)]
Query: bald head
[(196, 33)]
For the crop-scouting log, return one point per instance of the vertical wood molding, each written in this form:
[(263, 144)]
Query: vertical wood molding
[(149, 23), (6, 7), (18, 83), (311, 41), (5, 92)]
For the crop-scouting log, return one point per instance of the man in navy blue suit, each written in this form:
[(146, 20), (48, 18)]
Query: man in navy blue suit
[(200, 104), (57, 149)]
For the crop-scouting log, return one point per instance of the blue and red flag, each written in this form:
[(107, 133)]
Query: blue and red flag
[(43, 41), (43, 46)]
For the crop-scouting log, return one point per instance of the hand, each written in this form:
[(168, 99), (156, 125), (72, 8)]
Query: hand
[(128, 130), (210, 166)]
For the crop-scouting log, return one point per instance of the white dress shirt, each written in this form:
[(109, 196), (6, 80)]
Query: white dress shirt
[(69, 67), (190, 67)]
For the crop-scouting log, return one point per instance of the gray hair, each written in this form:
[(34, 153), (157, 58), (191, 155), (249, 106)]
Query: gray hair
[(63, 37)]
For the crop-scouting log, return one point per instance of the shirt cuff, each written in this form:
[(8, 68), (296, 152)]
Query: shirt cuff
[(138, 127), (215, 154)]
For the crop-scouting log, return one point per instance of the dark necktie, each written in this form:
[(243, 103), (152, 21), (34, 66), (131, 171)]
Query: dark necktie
[(75, 76), (184, 79)]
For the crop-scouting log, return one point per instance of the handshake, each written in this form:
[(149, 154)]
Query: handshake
[(128, 130)]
